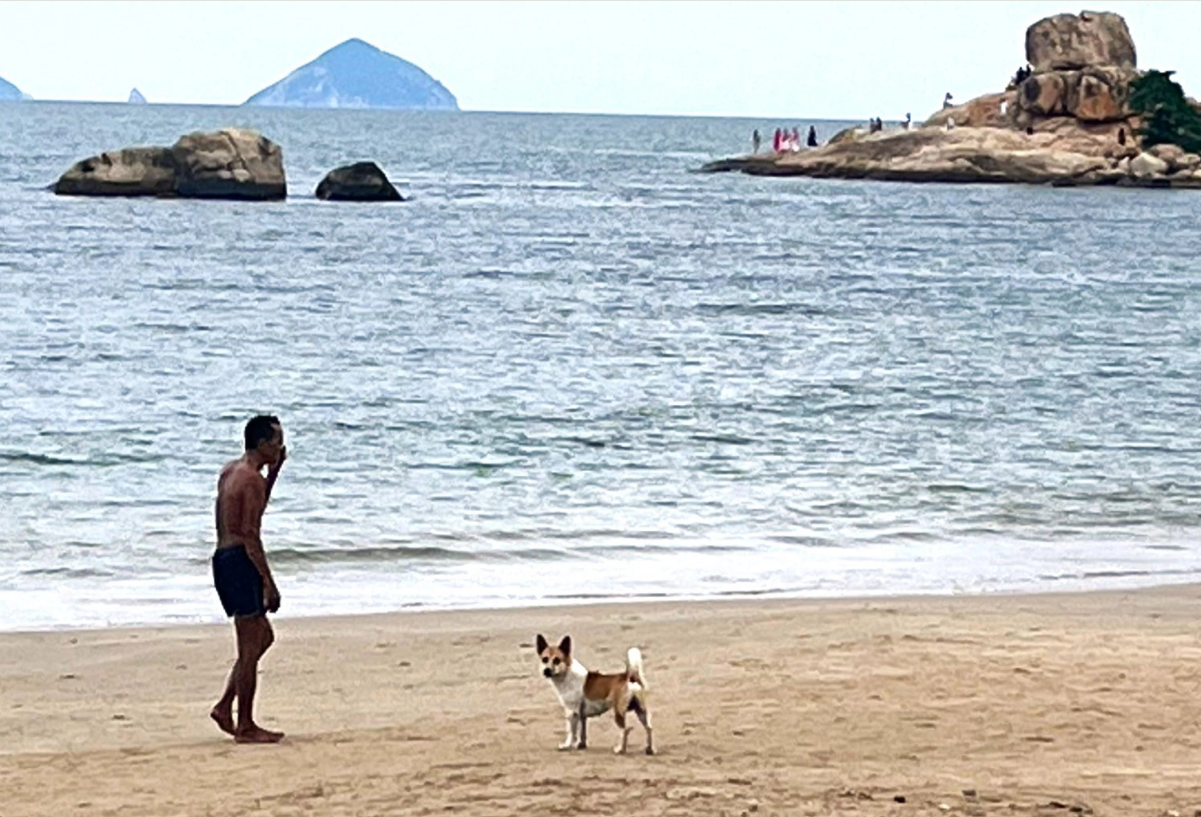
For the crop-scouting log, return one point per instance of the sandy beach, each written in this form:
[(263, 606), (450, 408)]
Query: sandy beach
[(1048, 704)]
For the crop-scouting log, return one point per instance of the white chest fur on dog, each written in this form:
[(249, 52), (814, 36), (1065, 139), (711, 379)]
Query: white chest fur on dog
[(570, 689)]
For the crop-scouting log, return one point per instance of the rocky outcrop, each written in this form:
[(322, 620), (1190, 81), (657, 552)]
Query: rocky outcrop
[(1067, 42), (1060, 156), (145, 171), (228, 164), (361, 181), (1067, 123)]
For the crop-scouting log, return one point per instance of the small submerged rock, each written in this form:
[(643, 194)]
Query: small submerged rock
[(361, 181)]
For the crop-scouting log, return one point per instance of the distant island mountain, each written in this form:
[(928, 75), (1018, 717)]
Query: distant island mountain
[(356, 74), (136, 98), (10, 92)]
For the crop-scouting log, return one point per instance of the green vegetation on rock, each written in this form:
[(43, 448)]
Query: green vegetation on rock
[(1166, 114)]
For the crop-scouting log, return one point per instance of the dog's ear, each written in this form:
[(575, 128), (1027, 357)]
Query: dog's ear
[(565, 645), (540, 644)]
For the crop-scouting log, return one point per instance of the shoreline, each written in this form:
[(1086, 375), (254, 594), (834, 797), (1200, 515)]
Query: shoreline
[(782, 706), (1071, 587)]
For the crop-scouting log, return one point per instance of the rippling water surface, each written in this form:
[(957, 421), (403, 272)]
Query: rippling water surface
[(570, 368)]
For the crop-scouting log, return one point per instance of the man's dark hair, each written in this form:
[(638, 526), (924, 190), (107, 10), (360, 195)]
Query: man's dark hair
[(259, 430)]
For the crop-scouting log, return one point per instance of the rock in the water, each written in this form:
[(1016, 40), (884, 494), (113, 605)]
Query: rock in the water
[(361, 181), (136, 98), (1068, 123), (229, 164), (1067, 42), (958, 155), (356, 74), (146, 171)]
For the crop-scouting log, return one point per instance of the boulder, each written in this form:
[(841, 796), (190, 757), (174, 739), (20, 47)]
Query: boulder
[(144, 171), (1145, 166), (1189, 161), (361, 181), (1044, 94), (1172, 154), (229, 164), (1091, 94), (1075, 41)]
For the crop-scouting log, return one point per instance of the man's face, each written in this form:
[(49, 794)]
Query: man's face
[(270, 449)]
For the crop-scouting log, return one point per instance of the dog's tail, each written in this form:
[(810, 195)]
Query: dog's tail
[(634, 671)]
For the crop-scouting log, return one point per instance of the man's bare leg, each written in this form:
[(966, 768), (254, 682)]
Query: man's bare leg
[(223, 710), (254, 637)]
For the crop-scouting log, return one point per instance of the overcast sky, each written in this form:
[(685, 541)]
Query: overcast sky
[(847, 60)]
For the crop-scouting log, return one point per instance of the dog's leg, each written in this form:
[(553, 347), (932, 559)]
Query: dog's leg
[(583, 728), (620, 716), (645, 718), (572, 724)]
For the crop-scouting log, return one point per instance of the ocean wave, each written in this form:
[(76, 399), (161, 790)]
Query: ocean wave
[(406, 553)]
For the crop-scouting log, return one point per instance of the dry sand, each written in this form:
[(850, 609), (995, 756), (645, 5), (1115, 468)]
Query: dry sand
[(1052, 704)]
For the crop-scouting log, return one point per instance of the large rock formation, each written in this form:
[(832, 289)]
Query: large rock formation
[(228, 164), (361, 181), (1067, 123), (356, 74)]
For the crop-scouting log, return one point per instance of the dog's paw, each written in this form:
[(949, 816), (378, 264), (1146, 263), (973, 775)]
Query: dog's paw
[(582, 746), (650, 751), (563, 747)]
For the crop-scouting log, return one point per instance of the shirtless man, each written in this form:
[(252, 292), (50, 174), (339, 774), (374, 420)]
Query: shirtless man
[(241, 574)]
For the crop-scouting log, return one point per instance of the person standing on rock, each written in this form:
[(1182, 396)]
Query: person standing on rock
[(776, 140), (946, 101), (811, 141), (755, 141)]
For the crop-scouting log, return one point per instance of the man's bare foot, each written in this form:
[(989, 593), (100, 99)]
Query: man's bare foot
[(224, 719), (257, 734)]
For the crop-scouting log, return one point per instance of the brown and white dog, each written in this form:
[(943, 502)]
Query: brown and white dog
[(587, 694)]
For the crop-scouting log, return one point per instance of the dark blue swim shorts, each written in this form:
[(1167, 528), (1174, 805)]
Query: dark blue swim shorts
[(238, 582)]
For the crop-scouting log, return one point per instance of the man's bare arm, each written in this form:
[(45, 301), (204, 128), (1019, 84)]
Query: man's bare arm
[(251, 502), (273, 474)]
